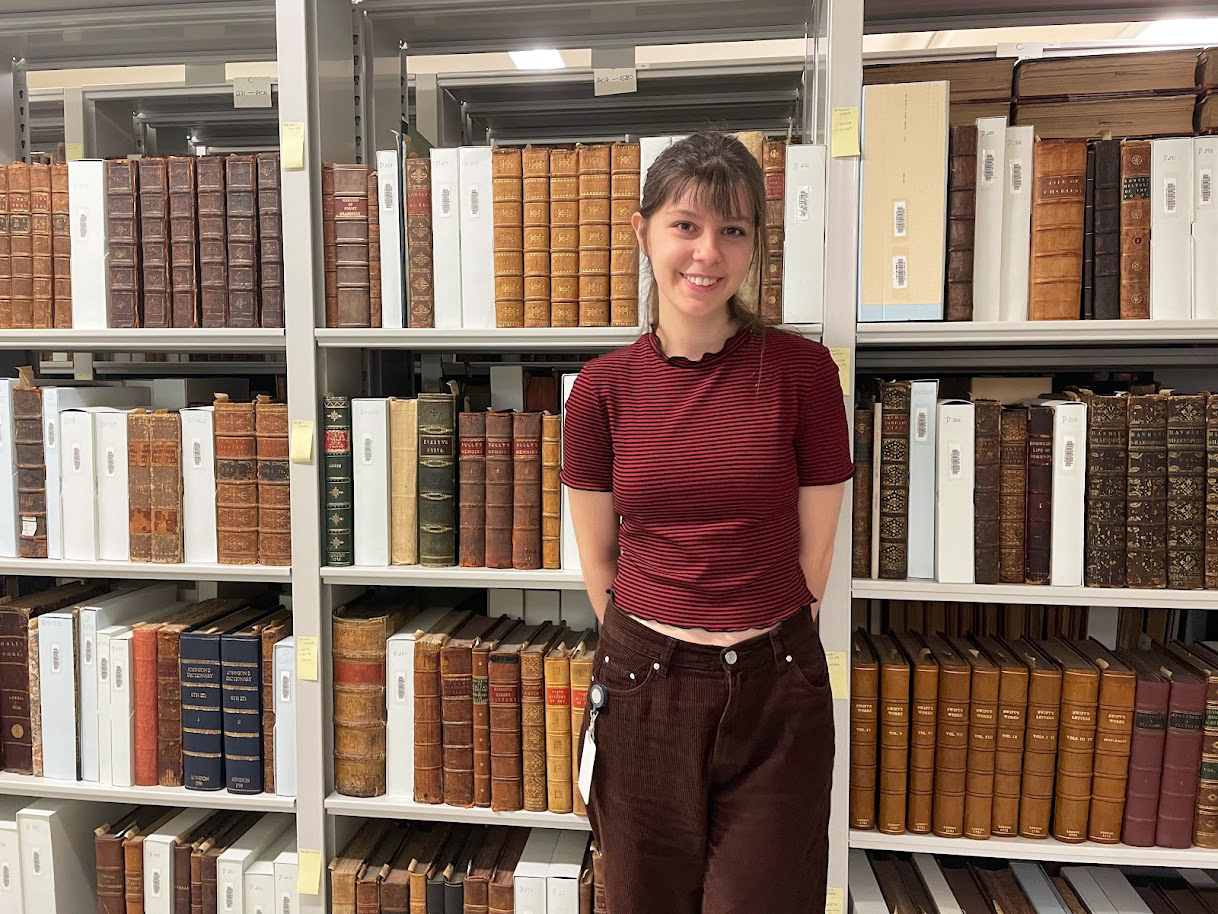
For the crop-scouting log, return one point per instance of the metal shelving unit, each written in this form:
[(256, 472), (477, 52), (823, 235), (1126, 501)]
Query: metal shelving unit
[(22, 785), (866, 588), (418, 576), (179, 339), (391, 807), (144, 571)]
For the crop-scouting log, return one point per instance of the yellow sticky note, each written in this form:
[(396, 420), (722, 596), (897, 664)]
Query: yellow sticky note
[(74, 151), (300, 447), (306, 657), (835, 900), (845, 136), (308, 871), (291, 145), (841, 355), (838, 684)]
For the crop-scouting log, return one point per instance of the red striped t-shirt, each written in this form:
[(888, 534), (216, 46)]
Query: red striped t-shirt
[(705, 459)]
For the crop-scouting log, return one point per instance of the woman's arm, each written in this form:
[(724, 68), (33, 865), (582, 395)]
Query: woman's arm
[(819, 510), (596, 525)]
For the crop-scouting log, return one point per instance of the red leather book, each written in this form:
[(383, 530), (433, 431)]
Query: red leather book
[(499, 489), (1181, 750), (1145, 750), (144, 684)]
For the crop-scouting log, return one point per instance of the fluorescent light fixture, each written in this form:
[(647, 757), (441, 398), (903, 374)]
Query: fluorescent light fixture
[(1196, 32), (544, 59)]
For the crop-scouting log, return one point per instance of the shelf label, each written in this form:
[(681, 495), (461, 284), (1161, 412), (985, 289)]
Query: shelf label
[(845, 137), (252, 92), (838, 686), (308, 871), (300, 448), (291, 145), (841, 355), (306, 661), (74, 151), (615, 80)]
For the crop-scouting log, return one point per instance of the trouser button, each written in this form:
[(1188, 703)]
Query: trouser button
[(730, 657)]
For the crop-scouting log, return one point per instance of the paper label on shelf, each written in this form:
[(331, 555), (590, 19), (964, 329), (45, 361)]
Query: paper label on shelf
[(306, 657), (308, 872), (615, 80), (900, 218), (845, 137), (252, 92), (74, 151), (291, 145), (836, 662), (835, 900), (300, 449), (1017, 176), (841, 355)]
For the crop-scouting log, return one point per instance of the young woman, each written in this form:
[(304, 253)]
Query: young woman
[(707, 463)]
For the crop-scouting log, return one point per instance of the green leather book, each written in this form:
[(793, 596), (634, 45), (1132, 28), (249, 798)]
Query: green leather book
[(338, 497), (437, 479)]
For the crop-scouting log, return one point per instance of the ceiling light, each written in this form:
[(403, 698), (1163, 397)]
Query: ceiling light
[(544, 59), (1193, 32)]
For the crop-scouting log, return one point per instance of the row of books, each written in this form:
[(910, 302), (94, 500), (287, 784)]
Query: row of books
[(35, 246), (415, 244), (1072, 488), (128, 686), (981, 736), (86, 477), (882, 882), (444, 868), (471, 710)]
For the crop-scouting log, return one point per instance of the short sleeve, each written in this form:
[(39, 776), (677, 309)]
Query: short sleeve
[(822, 440), (587, 445)]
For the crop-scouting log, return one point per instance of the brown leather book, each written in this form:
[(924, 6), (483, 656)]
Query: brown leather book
[(625, 194), (183, 242), (139, 484), (1013, 492), (31, 466), (1058, 202), (419, 251), (533, 715), (983, 738), (564, 238), (346, 866), (893, 735), (594, 164), (154, 241), (165, 478), (366, 891), (1040, 739), (457, 711), (1113, 730), (894, 480), (329, 245), (6, 262), (274, 632), (270, 239), (111, 872), (864, 729), (773, 165), (1205, 662), (133, 857), (559, 735), (274, 491), (471, 483), (502, 885), (923, 716), (861, 520), (352, 270), (213, 240), (1075, 740), (481, 705), (42, 265), (551, 490), (582, 659), (21, 246), (1146, 493), (427, 879), (1182, 748), (1107, 248), (1211, 493), (1186, 490), (1001, 887), (428, 707), (535, 165), (507, 178), (395, 887), (122, 220), (987, 490), (236, 443), (961, 221), (952, 739), (183, 849), (360, 630), (1009, 742), (1039, 514), (241, 211), (482, 869), (1107, 441), (599, 905), (1087, 307), (526, 490), (61, 247), (500, 489), (374, 250), (1145, 749), (145, 687), (1135, 229), (507, 764)]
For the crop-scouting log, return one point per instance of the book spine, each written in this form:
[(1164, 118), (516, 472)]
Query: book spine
[(213, 240), (526, 490), (202, 716), (15, 691), (419, 244), (428, 726), (241, 214), (108, 853), (624, 245), (894, 480), (1146, 493), (274, 483), (329, 236), (1135, 230), (30, 452), (270, 239), (1205, 824), (374, 250), (1114, 728), (1186, 491), (165, 485), (456, 694), (1075, 754), (472, 484), (507, 786), (1040, 755), (1107, 459), (559, 789), (236, 482), (145, 686), (961, 221), (21, 245), (338, 491), (987, 492), (154, 242), (6, 262), (241, 712), (183, 242), (1181, 764), (139, 484), (61, 247), (861, 519), (437, 480), (1211, 493), (535, 165), (404, 479), (1145, 764), (507, 185), (1107, 227), (359, 703), (1013, 486), (352, 267), (551, 491), (166, 655), (481, 714), (564, 238), (1039, 513), (595, 177)]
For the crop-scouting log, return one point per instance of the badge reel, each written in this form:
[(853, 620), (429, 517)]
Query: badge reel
[(597, 696)]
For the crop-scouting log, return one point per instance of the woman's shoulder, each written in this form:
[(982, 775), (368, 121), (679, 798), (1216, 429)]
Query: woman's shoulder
[(793, 345), (609, 366)]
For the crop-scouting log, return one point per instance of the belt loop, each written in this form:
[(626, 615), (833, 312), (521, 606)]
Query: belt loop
[(780, 654), (670, 645)]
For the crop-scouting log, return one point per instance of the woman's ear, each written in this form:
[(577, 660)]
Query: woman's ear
[(639, 224)]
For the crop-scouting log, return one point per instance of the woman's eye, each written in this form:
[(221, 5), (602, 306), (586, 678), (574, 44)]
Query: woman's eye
[(735, 230), (685, 226)]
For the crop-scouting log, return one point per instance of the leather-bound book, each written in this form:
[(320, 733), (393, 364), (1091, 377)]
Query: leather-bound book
[(1211, 493), (625, 194), (1040, 739), (419, 250), (773, 164), (1013, 493), (1186, 491), (582, 660), (560, 788), (346, 866), (987, 490), (1037, 538), (533, 715), (18, 616), (270, 240), (31, 466), (360, 630), (361, 890), (241, 211), (139, 484), (535, 165), (861, 520), (864, 729), (599, 904), (894, 480), (155, 274), (329, 244), (750, 289), (501, 889), (1059, 185), (182, 849), (61, 246), (6, 263), (507, 179), (982, 738), (123, 241), (21, 246), (1205, 661), (457, 711), (274, 491), (1146, 493), (1181, 749), (437, 480), (961, 221), (395, 886), (964, 887), (1145, 749), (213, 240), (108, 843), (1075, 740), (41, 264), (526, 490), (147, 689), (507, 773), (564, 238), (354, 302), (551, 490), (1106, 281), (1107, 459), (35, 681), (374, 250), (242, 708), (1009, 740), (1135, 229), (952, 738), (183, 242), (1113, 728), (1087, 306), (471, 430), (481, 705), (337, 494), (203, 897), (236, 482), (893, 735), (500, 489), (404, 479), (165, 478), (133, 855), (274, 632), (594, 164), (482, 868), (923, 724), (428, 707)]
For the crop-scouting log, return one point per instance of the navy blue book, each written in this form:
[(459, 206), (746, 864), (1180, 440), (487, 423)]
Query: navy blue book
[(241, 705)]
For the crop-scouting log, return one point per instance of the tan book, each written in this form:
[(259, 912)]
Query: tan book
[(594, 243), (507, 178), (864, 729), (1008, 753), (557, 670), (923, 725), (376, 869), (982, 737), (773, 231), (750, 290), (952, 739), (165, 478), (428, 707), (551, 489), (346, 866), (139, 484), (404, 481), (236, 437), (42, 261), (1055, 276), (61, 245), (6, 264), (274, 478), (894, 735), (457, 712), (583, 657), (625, 197), (533, 715), (535, 164), (480, 683), (1075, 740), (564, 238), (1113, 738), (1040, 739)]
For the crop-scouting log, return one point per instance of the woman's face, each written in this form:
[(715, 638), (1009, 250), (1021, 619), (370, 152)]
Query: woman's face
[(699, 258)]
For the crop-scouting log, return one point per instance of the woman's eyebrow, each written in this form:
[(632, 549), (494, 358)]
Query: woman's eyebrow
[(693, 215)]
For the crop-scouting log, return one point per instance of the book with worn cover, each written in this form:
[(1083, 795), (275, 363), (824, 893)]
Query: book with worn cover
[(1055, 276)]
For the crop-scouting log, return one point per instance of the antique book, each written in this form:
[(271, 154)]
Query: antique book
[(864, 729), (154, 241), (1107, 441), (1055, 276), (1087, 304), (952, 738), (551, 490), (1135, 229), (122, 223), (1040, 739), (274, 501), (1039, 514), (1106, 280), (1211, 492), (419, 282), (594, 163), (1182, 748), (241, 211), (773, 164), (861, 517), (360, 892), (984, 691), (457, 710), (526, 490), (961, 221), (35, 684), (422, 842), (1075, 740), (503, 677), (6, 263), (625, 192), (374, 250), (893, 736), (564, 237), (428, 707), (347, 864), (481, 706), (482, 868), (21, 246), (108, 843), (30, 460), (329, 245), (61, 247), (1107, 73), (750, 290), (1186, 491), (1013, 491), (507, 181), (894, 480), (1009, 744), (1146, 743), (582, 658), (183, 242), (41, 263), (213, 240), (165, 485), (501, 888), (533, 715), (270, 240), (976, 80), (1113, 729), (500, 489), (337, 494), (987, 507), (471, 431), (404, 481), (360, 630), (236, 482), (535, 166), (923, 723), (275, 631), (437, 479), (352, 270), (139, 484), (242, 710), (1204, 661), (1146, 492), (560, 788)]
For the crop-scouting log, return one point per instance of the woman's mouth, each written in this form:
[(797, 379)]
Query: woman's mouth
[(701, 282)]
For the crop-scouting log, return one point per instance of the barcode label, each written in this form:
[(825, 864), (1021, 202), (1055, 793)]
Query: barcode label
[(1069, 445), (259, 909), (156, 883), (6, 877), (89, 651), (1017, 176), (446, 200), (118, 677), (400, 690), (55, 658), (83, 226), (955, 461), (387, 197), (988, 165), (900, 272), (899, 226), (921, 423), (29, 525), (228, 898), (286, 906), (1169, 196), (109, 461), (51, 433), (367, 450), (474, 204), (285, 686), (76, 458), (1205, 190), (196, 452), (803, 203), (37, 863), (103, 669)]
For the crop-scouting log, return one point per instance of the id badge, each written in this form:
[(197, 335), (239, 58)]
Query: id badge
[(597, 695)]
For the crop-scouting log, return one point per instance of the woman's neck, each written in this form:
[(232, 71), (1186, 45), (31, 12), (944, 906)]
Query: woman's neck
[(692, 339)]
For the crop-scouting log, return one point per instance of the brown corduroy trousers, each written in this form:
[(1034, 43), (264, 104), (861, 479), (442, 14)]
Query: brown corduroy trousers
[(710, 792)]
